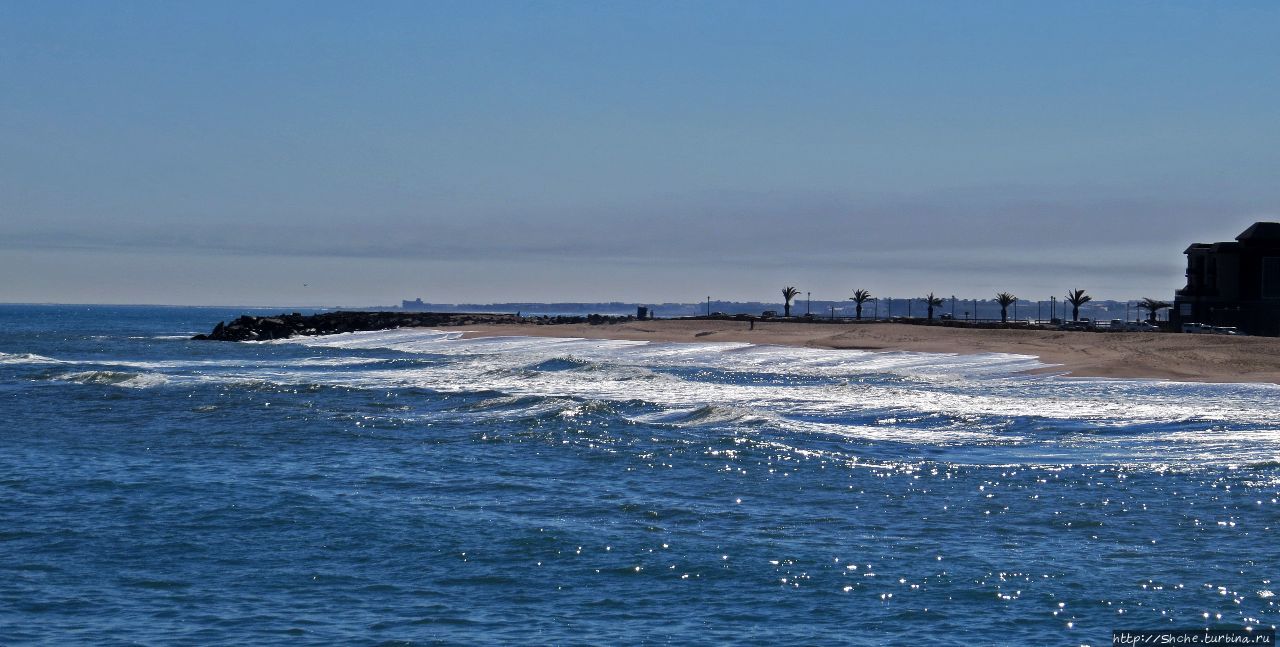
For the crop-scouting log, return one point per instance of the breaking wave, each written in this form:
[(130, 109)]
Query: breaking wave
[(959, 402), (115, 378), (27, 358)]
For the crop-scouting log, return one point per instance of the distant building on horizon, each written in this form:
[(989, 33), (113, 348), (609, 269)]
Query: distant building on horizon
[(1235, 283)]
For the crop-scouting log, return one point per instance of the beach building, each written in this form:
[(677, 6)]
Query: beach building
[(1234, 283)]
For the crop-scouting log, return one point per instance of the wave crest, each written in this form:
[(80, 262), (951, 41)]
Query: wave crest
[(115, 378), (705, 415), (27, 358)]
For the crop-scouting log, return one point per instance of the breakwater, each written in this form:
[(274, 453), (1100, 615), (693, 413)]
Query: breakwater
[(284, 326)]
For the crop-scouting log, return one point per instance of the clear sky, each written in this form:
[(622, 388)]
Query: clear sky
[(356, 153)]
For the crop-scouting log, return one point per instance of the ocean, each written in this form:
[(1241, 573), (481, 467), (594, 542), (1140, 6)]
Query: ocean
[(413, 487)]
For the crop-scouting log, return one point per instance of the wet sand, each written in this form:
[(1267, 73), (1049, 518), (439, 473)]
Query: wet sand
[(1183, 357)]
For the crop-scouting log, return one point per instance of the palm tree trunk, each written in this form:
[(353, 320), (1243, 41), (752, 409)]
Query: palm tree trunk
[(859, 311), (1075, 313), (786, 309), (1004, 314)]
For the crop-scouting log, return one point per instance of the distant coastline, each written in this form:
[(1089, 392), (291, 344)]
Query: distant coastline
[(883, 308)]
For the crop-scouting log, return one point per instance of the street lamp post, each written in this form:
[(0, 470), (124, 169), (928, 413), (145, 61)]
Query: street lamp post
[(808, 299), (708, 306)]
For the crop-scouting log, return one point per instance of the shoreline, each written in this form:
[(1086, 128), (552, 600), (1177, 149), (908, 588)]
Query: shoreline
[(1160, 356)]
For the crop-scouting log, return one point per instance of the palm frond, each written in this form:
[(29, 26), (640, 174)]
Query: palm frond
[(1078, 298)]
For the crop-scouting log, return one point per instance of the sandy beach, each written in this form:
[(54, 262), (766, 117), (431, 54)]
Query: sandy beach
[(1182, 357)]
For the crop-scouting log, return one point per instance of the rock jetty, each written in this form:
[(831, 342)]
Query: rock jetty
[(283, 326)]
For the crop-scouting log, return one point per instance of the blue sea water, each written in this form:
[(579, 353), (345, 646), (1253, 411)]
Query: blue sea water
[(412, 487)]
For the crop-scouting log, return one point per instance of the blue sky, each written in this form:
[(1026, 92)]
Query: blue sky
[(359, 153)]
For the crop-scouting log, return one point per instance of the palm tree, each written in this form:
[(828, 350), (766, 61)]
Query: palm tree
[(932, 302), (788, 293), (1005, 300), (1077, 298), (1153, 306), (860, 297)]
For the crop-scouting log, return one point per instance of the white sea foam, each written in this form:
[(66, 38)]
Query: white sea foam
[(731, 356), (197, 364), (116, 378), (406, 339), (957, 387), (902, 397), (27, 358)]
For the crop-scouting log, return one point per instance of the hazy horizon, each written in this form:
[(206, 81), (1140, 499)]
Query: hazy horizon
[(337, 154)]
